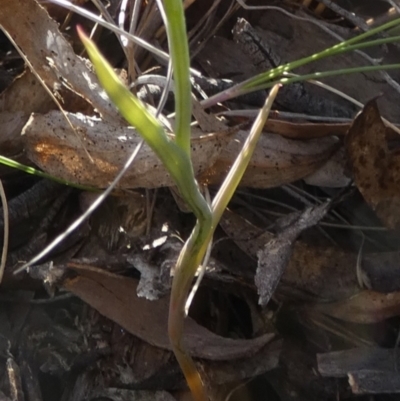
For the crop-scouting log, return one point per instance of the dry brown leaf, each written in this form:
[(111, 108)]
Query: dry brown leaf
[(365, 307), (305, 130), (115, 297), (376, 170), (332, 174), (374, 382), (308, 267), (52, 146), (276, 160), (25, 94), (51, 55), (275, 255), (11, 124)]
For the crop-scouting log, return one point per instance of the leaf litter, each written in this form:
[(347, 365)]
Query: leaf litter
[(305, 283)]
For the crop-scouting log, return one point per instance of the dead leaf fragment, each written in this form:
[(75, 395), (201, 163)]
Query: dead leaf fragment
[(376, 170), (373, 382), (52, 145), (275, 255), (308, 266), (50, 54), (116, 298), (365, 307), (276, 160)]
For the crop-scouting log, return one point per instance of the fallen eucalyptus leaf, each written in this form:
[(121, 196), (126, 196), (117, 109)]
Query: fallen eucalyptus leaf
[(50, 144), (115, 297), (376, 170)]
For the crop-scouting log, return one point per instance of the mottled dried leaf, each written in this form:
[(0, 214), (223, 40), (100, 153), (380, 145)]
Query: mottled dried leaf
[(274, 257), (11, 124), (376, 170), (374, 382), (308, 267), (276, 160), (51, 144)]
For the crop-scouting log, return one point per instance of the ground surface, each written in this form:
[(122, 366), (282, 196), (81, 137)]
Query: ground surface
[(301, 296)]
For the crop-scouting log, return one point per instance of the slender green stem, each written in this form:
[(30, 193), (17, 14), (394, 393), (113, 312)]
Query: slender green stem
[(30, 170), (338, 48), (323, 74), (264, 83), (175, 155), (195, 248), (185, 270), (179, 51), (370, 43), (260, 79)]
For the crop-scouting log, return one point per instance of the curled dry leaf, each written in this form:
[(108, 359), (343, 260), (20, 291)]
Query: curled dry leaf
[(51, 145), (308, 130), (376, 170), (275, 255), (115, 297), (365, 307), (308, 267)]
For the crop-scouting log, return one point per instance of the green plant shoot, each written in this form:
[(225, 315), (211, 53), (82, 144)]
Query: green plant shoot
[(174, 152)]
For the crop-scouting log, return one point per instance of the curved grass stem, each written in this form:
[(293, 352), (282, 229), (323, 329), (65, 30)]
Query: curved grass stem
[(195, 248), (179, 50), (185, 270)]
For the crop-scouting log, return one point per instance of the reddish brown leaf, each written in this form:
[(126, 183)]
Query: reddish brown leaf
[(115, 297), (376, 170)]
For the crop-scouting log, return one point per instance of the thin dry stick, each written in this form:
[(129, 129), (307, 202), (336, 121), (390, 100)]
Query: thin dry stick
[(395, 5), (352, 17), (6, 231), (133, 67), (112, 27), (358, 264), (203, 23), (233, 7), (347, 97)]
